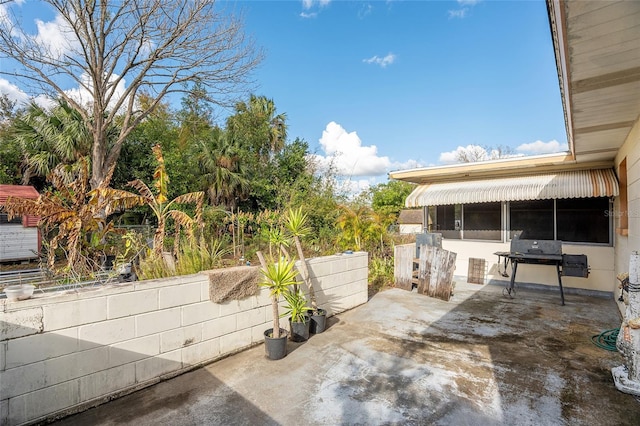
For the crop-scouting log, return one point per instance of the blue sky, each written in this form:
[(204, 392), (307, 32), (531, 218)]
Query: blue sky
[(457, 73), (386, 85)]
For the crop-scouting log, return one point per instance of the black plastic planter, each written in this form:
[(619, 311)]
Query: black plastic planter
[(299, 330), (318, 321), (275, 348)]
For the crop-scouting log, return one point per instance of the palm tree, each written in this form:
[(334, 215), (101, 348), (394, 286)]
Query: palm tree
[(222, 170), (353, 224), (52, 138), (258, 123)]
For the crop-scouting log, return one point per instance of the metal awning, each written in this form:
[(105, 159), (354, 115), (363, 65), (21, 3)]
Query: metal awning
[(571, 184)]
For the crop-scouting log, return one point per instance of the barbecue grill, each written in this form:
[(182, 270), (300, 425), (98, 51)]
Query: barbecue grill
[(543, 252)]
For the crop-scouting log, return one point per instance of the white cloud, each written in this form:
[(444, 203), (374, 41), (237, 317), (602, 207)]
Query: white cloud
[(345, 153), (409, 164), (539, 147), (461, 13), (83, 96), (308, 15), (383, 62), (458, 13), (13, 92), (56, 36)]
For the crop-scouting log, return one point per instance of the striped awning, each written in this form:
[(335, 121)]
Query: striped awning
[(570, 184)]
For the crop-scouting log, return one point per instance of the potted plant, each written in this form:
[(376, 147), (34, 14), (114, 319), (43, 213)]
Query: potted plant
[(277, 277), (297, 311), (296, 222)]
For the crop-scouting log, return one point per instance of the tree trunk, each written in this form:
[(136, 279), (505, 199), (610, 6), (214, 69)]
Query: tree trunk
[(305, 274)]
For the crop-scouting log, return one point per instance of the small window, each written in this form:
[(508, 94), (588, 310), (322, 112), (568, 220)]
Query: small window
[(532, 220), (583, 220), (482, 221), (449, 221), (4, 219)]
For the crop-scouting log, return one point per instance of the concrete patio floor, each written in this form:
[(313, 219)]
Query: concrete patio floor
[(405, 358)]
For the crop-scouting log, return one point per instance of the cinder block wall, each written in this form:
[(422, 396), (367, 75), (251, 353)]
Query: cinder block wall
[(64, 352)]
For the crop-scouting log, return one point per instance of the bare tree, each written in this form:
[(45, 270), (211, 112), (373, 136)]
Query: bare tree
[(475, 153), (114, 50)]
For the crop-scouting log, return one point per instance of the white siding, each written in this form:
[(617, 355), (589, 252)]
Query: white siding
[(18, 242)]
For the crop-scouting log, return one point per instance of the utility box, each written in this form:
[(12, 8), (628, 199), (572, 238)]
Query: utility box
[(428, 239)]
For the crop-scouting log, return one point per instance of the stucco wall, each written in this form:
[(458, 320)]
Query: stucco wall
[(65, 352), (625, 244), (601, 261)]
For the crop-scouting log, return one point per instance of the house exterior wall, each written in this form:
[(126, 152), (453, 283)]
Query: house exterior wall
[(626, 244), (65, 352), (18, 242), (411, 228), (600, 258)]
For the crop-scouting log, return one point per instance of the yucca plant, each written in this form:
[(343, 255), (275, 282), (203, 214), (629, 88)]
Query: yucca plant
[(296, 223), (278, 277), (296, 306)]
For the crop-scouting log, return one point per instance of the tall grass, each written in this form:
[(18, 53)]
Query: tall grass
[(192, 258)]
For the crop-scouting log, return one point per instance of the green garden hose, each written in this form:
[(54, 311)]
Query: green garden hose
[(606, 339)]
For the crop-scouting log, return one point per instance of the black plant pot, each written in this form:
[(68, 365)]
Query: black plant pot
[(299, 330), (275, 348), (318, 321)]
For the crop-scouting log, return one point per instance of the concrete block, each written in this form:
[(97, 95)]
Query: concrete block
[(20, 380), (154, 367), (180, 337), (339, 266), (19, 323), (234, 341), (106, 332), (199, 312), (357, 261), (34, 405), (218, 327), (134, 350), (4, 412), (74, 313), (35, 376), (257, 331), (234, 306), (3, 355), (135, 302), (201, 352), (179, 295), (29, 349), (204, 291), (156, 322), (262, 299), (106, 382), (247, 319), (319, 269)]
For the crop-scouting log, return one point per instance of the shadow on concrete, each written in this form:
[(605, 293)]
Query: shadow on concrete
[(405, 358), (76, 375)]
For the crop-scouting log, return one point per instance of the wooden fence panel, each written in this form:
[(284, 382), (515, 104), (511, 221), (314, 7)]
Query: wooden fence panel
[(404, 256), (436, 267)]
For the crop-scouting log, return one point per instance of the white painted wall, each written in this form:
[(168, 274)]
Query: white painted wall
[(65, 352), (626, 244), (600, 258), (18, 242)]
